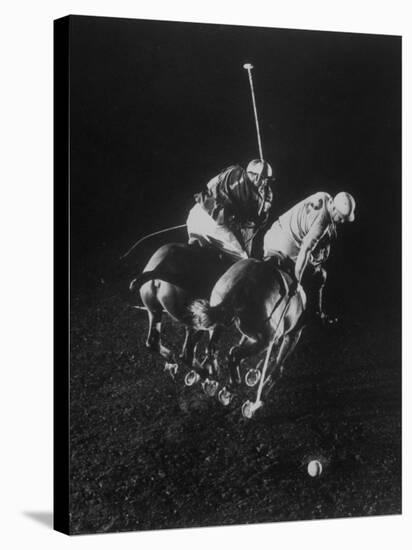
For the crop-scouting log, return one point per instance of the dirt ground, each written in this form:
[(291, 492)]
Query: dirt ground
[(149, 453)]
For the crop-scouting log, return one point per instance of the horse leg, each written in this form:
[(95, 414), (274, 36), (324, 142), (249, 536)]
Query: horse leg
[(154, 310), (289, 341), (287, 346), (192, 337), (214, 336), (183, 353), (211, 349), (153, 341), (153, 336), (246, 348)]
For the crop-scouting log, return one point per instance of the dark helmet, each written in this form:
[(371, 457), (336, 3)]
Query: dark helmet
[(260, 168)]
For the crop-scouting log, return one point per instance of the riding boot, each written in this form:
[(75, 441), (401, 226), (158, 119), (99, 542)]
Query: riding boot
[(319, 312)]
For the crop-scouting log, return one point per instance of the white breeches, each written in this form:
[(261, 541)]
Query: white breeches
[(203, 228)]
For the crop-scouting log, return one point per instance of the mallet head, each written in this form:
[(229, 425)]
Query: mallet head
[(248, 66)]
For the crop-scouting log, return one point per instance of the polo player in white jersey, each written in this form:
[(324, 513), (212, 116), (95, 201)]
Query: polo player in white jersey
[(303, 234)]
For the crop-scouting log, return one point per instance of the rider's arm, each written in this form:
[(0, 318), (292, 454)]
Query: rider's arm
[(233, 192), (265, 202), (302, 261), (212, 185), (309, 243)]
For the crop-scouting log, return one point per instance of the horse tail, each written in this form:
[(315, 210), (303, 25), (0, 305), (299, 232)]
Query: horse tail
[(205, 316), (143, 278), (158, 273)]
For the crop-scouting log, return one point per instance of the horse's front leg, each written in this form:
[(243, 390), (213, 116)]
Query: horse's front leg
[(211, 350), (287, 346), (214, 336), (267, 380), (246, 348)]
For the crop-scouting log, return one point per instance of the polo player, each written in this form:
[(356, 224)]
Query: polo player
[(301, 238), (232, 209)]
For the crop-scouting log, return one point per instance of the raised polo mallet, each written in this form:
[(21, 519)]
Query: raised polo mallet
[(249, 67)]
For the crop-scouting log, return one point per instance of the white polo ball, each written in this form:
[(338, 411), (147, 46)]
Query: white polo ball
[(314, 468)]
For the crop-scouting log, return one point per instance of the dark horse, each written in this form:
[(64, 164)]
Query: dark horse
[(256, 296), (175, 276)]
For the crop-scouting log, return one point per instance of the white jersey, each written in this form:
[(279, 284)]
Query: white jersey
[(307, 222)]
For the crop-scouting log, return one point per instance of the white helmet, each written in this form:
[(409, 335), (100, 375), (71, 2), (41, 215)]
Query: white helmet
[(345, 204), (261, 168)]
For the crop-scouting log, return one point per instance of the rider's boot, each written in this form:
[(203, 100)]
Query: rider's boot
[(319, 311)]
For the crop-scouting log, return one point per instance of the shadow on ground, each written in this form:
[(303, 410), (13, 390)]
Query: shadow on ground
[(44, 518)]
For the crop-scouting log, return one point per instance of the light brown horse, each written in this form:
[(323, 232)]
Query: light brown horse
[(175, 276)]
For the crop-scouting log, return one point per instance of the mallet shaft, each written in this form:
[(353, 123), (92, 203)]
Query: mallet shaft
[(249, 67)]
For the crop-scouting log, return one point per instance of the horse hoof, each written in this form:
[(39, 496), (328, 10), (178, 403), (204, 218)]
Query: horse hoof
[(247, 411), (252, 377), (191, 378), (249, 408), (171, 368), (225, 397), (210, 387)]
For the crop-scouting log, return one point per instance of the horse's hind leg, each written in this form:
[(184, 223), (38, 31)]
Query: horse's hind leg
[(153, 341), (153, 336), (154, 310)]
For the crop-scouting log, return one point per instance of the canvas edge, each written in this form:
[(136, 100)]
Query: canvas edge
[(61, 266)]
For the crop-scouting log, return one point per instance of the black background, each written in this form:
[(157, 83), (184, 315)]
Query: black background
[(158, 108)]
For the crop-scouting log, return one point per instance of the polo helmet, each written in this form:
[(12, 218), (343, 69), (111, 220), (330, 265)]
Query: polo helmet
[(345, 204)]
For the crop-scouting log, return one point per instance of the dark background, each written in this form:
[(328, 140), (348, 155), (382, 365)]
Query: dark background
[(156, 109)]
